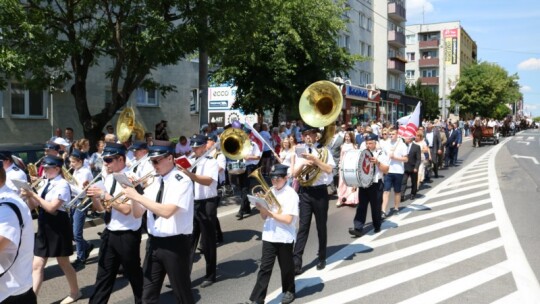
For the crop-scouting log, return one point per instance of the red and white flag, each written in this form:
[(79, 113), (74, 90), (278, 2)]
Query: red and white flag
[(410, 123)]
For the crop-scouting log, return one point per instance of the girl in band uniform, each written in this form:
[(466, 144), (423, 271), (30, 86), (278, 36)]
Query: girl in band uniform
[(54, 235)]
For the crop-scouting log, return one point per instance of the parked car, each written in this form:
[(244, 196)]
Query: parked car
[(28, 153)]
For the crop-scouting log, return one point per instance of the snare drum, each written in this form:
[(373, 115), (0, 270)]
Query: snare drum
[(350, 168), (236, 168)]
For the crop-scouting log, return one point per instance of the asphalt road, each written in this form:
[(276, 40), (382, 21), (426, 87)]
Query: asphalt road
[(461, 241)]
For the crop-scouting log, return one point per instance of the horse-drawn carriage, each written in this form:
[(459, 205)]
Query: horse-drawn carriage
[(485, 135)]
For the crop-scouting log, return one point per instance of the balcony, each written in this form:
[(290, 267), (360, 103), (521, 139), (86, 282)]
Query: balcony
[(429, 44), (396, 39), (431, 62), (396, 11), (396, 66), (429, 80)]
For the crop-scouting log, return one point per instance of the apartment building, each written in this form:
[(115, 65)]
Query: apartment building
[(436, 54)]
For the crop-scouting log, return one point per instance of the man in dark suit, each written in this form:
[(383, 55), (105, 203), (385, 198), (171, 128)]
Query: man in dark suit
[(459, 141), (451, 146), (411, 168), (433, 140)]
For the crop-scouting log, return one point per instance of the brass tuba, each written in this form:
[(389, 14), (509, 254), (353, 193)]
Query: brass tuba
[(235, 143), (33, 167), (264, 189), (127, 125), (320, 105)]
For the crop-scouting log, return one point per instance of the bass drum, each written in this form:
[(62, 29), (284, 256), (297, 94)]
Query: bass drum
[(357, 170), (236, 168)]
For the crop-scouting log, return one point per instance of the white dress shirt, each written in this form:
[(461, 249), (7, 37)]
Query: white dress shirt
[(277, 232), (14, 172), (207, 167), (119, 221)]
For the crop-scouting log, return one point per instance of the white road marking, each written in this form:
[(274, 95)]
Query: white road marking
[(530, 138), (523, 142), (372, 287), (454, 191), (526, 157), (456, 287)]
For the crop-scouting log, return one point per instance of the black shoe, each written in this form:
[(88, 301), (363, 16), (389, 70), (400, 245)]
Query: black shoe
[(321, 265), (88, 251), (403, 198), (413, 197), (78, 264), (377, 230), (298, 271), (287, 298), (355, 232), (395, 211), (207, 283), (240, 215)]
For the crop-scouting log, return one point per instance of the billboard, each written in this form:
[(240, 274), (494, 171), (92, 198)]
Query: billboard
[(451, 45)]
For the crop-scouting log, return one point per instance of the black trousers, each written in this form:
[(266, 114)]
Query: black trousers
[(284, 254), (204, 229), (29, 297), (434, 162), (414, 182), (372, 196), (246, 184), (313, 201), (118, 248), (168, 256)]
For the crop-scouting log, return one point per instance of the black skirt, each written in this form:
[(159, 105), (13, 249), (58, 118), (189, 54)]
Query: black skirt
[(54, 236)]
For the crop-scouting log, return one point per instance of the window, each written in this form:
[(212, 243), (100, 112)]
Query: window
[(392, 81), (362, 48), (362, 20), (369, 24), (409, 74), (410, 56), (430, 73), (343, 41), (410, 39), (27, 103), (368, 50), (147, 98)]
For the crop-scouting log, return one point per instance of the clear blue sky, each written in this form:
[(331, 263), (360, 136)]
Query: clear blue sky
[(506, 33)]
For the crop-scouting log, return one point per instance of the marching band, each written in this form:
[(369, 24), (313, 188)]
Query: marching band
[(177, 205)]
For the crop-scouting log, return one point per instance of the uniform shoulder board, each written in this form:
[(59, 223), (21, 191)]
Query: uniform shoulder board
[(15, 168), (178, 177), (209, 157)]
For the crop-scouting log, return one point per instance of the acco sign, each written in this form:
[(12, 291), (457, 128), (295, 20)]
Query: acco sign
[(220, 93), (221, 97)]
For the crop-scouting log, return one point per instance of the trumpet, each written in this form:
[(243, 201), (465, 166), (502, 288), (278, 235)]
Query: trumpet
[(144, 181), (264, 189), (83, 194)]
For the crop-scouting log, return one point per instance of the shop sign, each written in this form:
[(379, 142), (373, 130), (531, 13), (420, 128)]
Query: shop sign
[(358, 93)]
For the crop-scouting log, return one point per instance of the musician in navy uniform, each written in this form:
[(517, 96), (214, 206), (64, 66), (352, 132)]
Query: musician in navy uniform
[(313, 197), (121, 239), (140, 152), (54, 235), (373, 194), (279, 235), (16, 247), (169, 205), (205, 177), (12, 171)]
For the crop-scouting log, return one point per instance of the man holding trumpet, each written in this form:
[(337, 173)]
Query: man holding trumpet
[(121, 239), (169, 205)]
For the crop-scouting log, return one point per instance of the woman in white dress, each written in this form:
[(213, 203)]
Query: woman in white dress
[(346, 195), (287, 157)]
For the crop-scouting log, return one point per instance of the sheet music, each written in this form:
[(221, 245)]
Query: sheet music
[(258, 201), (21, 185), (122, 179)]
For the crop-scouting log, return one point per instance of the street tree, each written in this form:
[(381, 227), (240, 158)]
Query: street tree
[(278, 48), (483, 88), (429, 98), (47, 42)]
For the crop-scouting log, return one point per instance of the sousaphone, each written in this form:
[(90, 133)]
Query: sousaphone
[(127, 125)]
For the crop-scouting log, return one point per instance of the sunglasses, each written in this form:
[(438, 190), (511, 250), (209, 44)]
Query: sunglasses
[(276, 177), (109, 159)]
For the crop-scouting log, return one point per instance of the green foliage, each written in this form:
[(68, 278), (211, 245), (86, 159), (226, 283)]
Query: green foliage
[(501, 111), (483, 88), (44, 42), (430, 99), (278, 48), (536, 119)]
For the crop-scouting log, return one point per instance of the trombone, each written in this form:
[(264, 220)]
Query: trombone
[(144, 181)]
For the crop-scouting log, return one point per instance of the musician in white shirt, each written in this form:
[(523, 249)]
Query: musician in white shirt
[(12, 171), (169, 205), (121, 239)]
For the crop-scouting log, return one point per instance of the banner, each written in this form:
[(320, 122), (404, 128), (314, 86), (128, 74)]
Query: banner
[(409, 124), (450, 45)]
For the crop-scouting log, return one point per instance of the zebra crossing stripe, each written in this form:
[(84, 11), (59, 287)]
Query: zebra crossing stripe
[(372, 287), (460, 285), (454, 191), (446, 211)]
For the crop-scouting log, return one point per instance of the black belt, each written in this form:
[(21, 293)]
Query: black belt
[(204, 200), (314, 187), (172, 237)]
